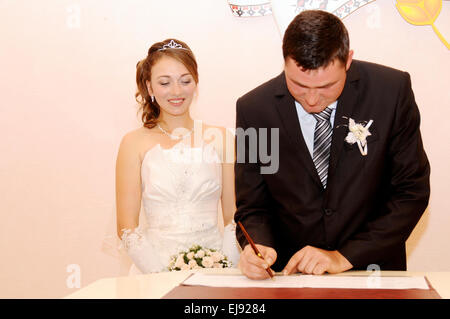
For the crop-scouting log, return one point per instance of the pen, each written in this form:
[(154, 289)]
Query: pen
[(250, 241)]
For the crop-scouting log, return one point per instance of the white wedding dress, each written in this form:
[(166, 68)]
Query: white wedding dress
[(181, 188)]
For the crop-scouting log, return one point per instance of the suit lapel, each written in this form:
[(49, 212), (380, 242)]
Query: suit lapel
[(345, 107), (289, 118)]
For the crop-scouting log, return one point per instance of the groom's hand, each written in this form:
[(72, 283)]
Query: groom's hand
[(253, 266), (316, 261)]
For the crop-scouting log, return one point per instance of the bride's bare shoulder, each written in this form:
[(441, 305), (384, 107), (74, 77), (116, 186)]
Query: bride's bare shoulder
[(138, 140)]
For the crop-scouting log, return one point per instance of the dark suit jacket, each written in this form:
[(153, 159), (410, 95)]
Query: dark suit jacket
[(371, 203)]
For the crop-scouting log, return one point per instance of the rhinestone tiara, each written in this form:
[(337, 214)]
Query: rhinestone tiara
[(172, 45)]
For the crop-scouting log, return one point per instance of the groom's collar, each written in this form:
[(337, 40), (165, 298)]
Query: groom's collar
[(353, 71), (281, 88)]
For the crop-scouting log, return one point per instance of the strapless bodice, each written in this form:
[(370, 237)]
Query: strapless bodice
[(181, 188)]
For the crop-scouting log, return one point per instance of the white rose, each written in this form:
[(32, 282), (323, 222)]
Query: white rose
[(216, 256), (185, 267), (190, 255), (180, 261), (218, 265), (192, 264), (200, 254), (351, 138), (207, 262)]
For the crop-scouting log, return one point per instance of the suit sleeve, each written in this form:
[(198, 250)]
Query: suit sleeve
[(408, 193), (253, 200)]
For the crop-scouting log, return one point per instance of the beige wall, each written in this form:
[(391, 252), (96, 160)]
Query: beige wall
[(66, 99)]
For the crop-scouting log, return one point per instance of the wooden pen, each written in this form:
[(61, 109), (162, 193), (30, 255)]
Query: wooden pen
[(250, 241)]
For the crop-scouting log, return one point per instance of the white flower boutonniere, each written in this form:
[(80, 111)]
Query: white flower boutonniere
[(198, 257), (358, 134)]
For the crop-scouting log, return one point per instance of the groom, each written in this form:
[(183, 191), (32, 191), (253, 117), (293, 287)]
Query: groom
[(353, 177)]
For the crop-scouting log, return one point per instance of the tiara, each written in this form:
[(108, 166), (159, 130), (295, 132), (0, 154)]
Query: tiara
[(172, 45)]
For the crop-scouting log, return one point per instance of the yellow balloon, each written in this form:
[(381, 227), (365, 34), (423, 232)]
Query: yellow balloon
[(421, 12)]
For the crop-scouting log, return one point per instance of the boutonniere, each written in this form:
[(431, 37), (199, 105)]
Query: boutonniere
[(358, 133)]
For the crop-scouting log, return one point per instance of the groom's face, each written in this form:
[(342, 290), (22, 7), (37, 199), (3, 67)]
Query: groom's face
[(316, 89)]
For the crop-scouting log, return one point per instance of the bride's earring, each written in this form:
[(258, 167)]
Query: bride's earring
[(153, 98)]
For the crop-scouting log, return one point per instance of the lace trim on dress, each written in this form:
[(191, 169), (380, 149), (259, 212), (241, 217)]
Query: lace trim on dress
[(141, 251), (132, 239)]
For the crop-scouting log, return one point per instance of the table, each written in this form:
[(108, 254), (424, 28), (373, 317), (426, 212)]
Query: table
[(155, 286)]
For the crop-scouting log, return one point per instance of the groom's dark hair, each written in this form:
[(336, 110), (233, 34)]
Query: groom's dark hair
[(315, 38)]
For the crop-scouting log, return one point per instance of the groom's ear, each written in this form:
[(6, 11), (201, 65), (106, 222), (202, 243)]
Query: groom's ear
[(349, 60)]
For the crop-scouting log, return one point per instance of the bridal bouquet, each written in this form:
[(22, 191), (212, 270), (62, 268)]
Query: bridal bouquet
[(198, 257)]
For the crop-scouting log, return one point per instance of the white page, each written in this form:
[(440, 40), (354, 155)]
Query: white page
[(308, 281), (240, 281)]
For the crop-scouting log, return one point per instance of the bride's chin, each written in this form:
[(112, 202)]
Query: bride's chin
[(174, 111)]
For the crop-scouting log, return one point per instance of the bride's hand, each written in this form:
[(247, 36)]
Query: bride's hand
[(255, 267)]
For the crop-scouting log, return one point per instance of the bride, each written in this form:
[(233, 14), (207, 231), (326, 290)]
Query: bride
[(167, 166)]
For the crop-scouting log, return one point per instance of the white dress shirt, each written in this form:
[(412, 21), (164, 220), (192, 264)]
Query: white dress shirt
[(308, 124)]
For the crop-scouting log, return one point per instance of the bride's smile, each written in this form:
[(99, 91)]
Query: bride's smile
[(172, 86)]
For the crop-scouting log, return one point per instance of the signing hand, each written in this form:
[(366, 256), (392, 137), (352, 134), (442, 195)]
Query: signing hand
[(316, 261), (253, 266)]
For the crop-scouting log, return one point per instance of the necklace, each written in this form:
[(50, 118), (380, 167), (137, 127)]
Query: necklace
[(175, 137)]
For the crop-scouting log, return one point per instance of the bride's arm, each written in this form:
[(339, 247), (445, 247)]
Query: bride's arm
[(228, 198), (230, 245), (223, 142), (128, 205), (128, 185)]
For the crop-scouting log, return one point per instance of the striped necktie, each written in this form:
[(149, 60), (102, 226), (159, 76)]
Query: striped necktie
[(322, 143)]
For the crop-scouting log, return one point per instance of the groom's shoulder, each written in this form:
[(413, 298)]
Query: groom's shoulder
[(379, 74), (263, 92)]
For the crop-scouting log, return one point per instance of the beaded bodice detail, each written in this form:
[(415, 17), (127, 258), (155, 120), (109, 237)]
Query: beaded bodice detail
[(181, 188)]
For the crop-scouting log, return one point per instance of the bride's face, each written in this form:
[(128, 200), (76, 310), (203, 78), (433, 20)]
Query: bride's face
[(172, 85)]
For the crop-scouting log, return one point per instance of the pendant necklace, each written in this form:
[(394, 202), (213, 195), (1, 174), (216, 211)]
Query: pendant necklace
[(175, 137)]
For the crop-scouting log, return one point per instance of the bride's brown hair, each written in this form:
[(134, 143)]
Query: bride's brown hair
[(171, 48)]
